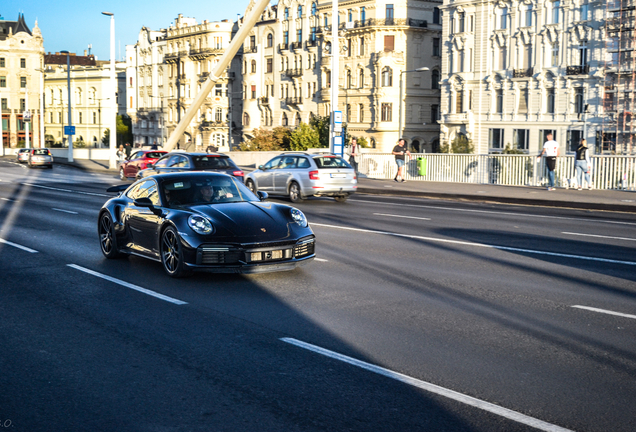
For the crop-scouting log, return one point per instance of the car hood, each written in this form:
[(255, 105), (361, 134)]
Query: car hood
[(251, 221)]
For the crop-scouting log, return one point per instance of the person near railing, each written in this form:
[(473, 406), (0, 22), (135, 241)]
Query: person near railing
[(582, 164), (353, 151), (400, 151), (551, 151)]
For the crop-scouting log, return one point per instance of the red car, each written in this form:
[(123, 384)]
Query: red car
[(139, 161)]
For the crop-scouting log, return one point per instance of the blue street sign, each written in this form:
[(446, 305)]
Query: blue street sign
[(69, 130)]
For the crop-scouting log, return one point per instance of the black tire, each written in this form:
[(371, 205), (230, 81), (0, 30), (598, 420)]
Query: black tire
[(122, 176), (172, 254), (341, 198), (107, 238), (250, 185), (294, 193)]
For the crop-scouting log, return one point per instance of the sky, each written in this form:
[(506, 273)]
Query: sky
[(74, 25)]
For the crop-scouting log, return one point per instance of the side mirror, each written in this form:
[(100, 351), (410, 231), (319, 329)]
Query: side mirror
[(262, 195), (143, 202)]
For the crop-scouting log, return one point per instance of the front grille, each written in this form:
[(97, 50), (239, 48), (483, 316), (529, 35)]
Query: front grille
[(219, 255), (304, 248)]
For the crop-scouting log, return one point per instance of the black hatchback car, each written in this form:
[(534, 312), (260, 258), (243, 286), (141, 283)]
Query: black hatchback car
[(180, 161)]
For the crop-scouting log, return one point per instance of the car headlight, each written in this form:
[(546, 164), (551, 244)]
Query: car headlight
[(200, 225), (298, 217)]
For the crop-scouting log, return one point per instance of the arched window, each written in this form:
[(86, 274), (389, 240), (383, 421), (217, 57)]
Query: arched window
[(284, 121), (246, 119), (349, 80), (387, 77), (218, 115), (435, 79), (361, 78), (286, 15), (300, 11), (270, 40), (297, 119), (361, 113), (253, 66), (78, 96), (314, 9)]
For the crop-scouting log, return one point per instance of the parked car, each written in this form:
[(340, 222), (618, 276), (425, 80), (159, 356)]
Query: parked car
[(302, 175), (181, 161), (203, 221), (23, 155), (138, 161), (40, 157)]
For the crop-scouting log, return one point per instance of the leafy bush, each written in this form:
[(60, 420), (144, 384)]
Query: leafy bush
[(304, 137)]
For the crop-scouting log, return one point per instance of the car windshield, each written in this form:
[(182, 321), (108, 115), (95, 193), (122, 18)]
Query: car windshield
[(41, 151), (210, 189), (155, 155), (202, 162), (331, 162)]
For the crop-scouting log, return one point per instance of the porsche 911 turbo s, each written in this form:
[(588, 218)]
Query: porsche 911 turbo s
[(203, 221)]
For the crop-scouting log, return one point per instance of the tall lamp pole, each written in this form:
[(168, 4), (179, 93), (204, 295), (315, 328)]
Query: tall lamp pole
[(42, 140), (113, 94), (70, 118), (335, 68), (401, 97)]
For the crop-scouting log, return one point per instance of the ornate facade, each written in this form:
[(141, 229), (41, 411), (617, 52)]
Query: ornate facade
[(21, 75), (514, 71), (286, 69)]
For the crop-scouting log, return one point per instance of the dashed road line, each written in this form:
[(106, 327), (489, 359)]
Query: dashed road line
[(605, 311), (15, 245)]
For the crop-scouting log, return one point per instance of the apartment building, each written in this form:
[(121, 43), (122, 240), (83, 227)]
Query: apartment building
[(90, 97), (286, 69), (21, 63), (512, 72)]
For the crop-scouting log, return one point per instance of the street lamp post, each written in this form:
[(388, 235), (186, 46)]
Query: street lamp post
[(401, 97), (70, 119), (113, 94), (42, 140), (335, 68)]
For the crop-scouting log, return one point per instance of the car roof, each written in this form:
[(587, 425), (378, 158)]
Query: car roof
[(185, 153), (183, 174)]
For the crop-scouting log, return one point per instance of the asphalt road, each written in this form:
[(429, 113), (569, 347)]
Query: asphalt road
[(417, 315)]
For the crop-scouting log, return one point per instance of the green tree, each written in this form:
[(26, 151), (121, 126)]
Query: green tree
[(268, 140), (460, 145), (304, 137), (106, 137), (124, 130), (321, 125)]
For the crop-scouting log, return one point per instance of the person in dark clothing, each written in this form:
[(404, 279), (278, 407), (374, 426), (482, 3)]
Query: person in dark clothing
[(128, 150), (400, 151), (582, 164)]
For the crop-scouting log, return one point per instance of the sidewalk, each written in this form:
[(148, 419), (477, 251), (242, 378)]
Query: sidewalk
[(608, 200)]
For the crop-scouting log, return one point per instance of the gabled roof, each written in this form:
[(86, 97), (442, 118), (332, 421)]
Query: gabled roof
[(13, 27)]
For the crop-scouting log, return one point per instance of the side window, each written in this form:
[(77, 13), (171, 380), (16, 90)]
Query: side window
[(174, 161), (289, 162), (184, 163), (273, 163), (136, 155), (161, 163), (147, 189), (303, 163)]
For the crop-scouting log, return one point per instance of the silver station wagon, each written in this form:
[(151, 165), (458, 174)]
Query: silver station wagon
[(302, 175)]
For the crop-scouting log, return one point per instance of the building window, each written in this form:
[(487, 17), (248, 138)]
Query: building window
[(583, 53), (389, 12), (496, 138), (462, 19), (434, 113), (80, 117), (363, 14), (436, 51), (314, 9), (361, 46), (23, 63), (285, 121), (554, 13), (502, 18), (5, 104), (574, 139), (528, 16), (459, 101), (22, 104), (361, 79), (299, 35), (585, 9), (361, 113), (387, 112), (94, 118), (555, 55), (389, 43), (300, 11), (3, 81), (499, 101), (349, 80), (350, 15), (435, 79), (253, 87), (503, 54), (218, 90), (520, 137), (246, 119), (2, 62), (286, 13), (436, 16), (286, 38), (218, 115), (23, 82), (253, 66), (312, 37), (523, 101), (550, 101), (270, 65), (579, 101), (270, 40), (387, 77)]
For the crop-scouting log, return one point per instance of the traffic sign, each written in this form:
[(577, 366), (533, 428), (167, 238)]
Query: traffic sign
[(26, 116), (69, 130), (337, 117)]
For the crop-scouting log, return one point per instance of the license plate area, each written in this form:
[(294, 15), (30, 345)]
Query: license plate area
[(270, 255), (338, 175)]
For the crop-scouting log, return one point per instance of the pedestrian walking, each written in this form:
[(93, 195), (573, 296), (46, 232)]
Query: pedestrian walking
[(550, 151), (154, 146), (400, 151), (128, 149), (121, 154), (354, 154), (582, 164)]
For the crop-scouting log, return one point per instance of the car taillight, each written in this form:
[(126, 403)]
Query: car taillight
[(238, 173), (313, 175)]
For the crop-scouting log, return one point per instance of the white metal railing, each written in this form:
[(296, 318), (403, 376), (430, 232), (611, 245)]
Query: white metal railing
[(608, 172)]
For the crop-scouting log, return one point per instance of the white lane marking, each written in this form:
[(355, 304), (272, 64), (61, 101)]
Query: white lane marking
[(599, 236), (65, 211), (65, 190), (484, 245), (321, 259), (400, 216), (424, 385), (24, 248), (605, 311), (7, 199), (128, 285), (499, 213)]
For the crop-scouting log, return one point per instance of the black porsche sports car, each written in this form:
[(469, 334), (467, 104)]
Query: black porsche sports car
[(203, 221)]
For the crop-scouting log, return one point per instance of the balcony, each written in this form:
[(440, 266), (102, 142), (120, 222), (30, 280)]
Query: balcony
[(311, 43), (522, 73), (296, 45), (293, 101), (577, 70), (213, 124), (250, 50), (293, 73), (264, 100), (283, 46)]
